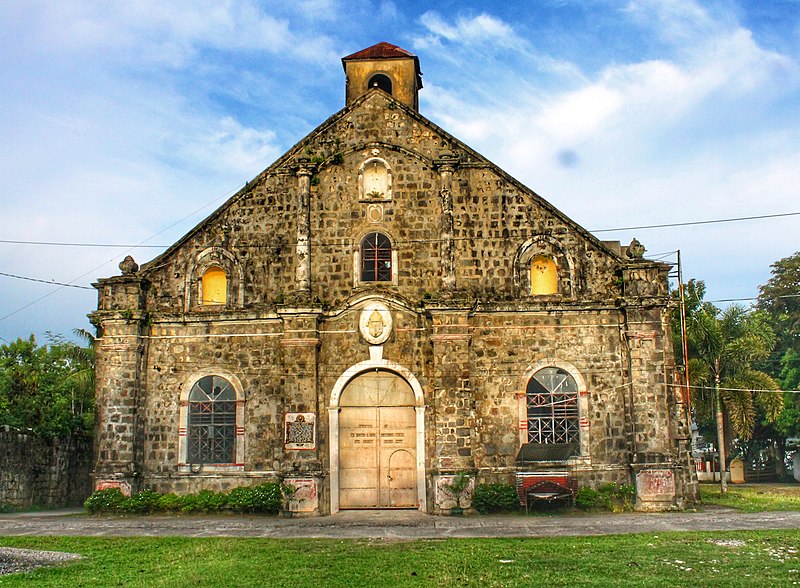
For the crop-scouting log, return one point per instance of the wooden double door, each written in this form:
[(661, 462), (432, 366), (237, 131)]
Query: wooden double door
[(377, 443)]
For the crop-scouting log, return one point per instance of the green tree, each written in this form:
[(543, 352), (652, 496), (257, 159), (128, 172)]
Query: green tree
[(725, 346), (47, 388), (780, 299)]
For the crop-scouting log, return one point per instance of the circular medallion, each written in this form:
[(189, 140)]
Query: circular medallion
[(374, 213), (375, 323)]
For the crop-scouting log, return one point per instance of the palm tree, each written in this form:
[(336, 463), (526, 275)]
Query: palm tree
[(81, 380), (723, 347)]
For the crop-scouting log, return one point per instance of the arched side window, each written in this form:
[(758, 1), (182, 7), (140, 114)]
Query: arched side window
[(376, 258), (381, 81), (214, 286), (211, 426), (543, 268), (214, 279), (552, 408), (544, 275)]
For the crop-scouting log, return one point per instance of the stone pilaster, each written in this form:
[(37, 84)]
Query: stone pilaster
[(301, 345), (119, 350), (303, 257), (649, 351), (454, 429), (446, 164)]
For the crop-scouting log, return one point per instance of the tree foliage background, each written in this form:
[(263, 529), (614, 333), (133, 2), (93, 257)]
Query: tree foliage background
[(748, 349), (48, 388)]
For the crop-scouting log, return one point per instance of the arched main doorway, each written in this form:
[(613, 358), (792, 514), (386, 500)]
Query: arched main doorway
[(377, 443), (377, 438)]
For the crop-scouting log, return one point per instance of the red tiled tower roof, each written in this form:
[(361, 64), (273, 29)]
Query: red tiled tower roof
[(382, 50)]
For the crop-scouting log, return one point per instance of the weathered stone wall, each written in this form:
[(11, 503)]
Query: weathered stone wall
[(492, 218), (44, 472), (465, 323)]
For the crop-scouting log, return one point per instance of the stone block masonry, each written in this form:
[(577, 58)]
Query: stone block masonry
[(43, 472)]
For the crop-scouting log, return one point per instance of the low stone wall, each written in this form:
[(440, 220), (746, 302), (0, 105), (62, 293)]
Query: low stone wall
[(35, 471)]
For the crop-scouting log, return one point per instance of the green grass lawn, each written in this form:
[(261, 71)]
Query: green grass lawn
[(763, 558), (753, 497)]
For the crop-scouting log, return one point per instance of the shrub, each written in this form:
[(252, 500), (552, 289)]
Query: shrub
[(587, 498), (105, 501), (143, 502), (613, 497), (267, 498), (242, 500), (490, 498), (209, 501), (169, 502)]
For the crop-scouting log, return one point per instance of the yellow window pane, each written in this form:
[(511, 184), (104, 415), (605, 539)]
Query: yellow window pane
[(215, 286), (544, 276)]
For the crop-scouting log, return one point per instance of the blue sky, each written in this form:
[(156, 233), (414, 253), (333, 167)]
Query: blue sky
[(128, 122)]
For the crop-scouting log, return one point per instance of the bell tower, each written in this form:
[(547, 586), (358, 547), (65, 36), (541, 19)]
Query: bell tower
[(386, 67)]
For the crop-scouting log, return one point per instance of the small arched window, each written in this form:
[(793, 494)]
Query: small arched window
[(376, 258), (211, 423), (552, 406), (381, 81), (214, 286), (544, 275)]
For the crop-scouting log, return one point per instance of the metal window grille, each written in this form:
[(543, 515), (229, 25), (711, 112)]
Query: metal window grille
[(212, 421), (552, 401), (376, 258)]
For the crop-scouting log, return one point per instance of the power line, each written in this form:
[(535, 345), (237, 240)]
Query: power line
[(67, 285), (94, 269), (63, 244), (54, 283), (702, 222), (754, 298), (481, 238)]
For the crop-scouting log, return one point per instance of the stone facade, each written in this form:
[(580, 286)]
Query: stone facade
[(454, 316)]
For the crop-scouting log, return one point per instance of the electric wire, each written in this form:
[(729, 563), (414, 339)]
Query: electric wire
[(52, 282), (144, 244), (94, 269)]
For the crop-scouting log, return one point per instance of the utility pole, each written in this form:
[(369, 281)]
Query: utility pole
[(723, 483)]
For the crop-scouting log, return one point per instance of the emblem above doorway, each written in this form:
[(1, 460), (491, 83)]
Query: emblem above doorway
[(375, 323)]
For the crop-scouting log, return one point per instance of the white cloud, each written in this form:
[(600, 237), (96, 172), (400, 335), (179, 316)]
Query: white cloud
[(229, 147), (126, 117), (478, 29), (172, 32)]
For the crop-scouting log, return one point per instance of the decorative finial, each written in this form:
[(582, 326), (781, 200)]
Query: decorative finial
[(128, 266), (635, 249)]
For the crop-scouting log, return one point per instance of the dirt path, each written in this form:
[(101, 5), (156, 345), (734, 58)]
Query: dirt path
[(391, 524)]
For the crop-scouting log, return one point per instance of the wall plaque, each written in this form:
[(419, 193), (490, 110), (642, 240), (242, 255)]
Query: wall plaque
[(122, 485), (300, 430), (655, 485), (305, 497)]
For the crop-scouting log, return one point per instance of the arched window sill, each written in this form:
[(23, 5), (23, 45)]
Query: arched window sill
[(209, 468)]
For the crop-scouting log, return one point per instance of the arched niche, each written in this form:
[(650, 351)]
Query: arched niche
[(375, 180), (542, 269), (214, 268)]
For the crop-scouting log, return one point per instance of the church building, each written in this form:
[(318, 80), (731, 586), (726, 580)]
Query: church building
[(379, 310)]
